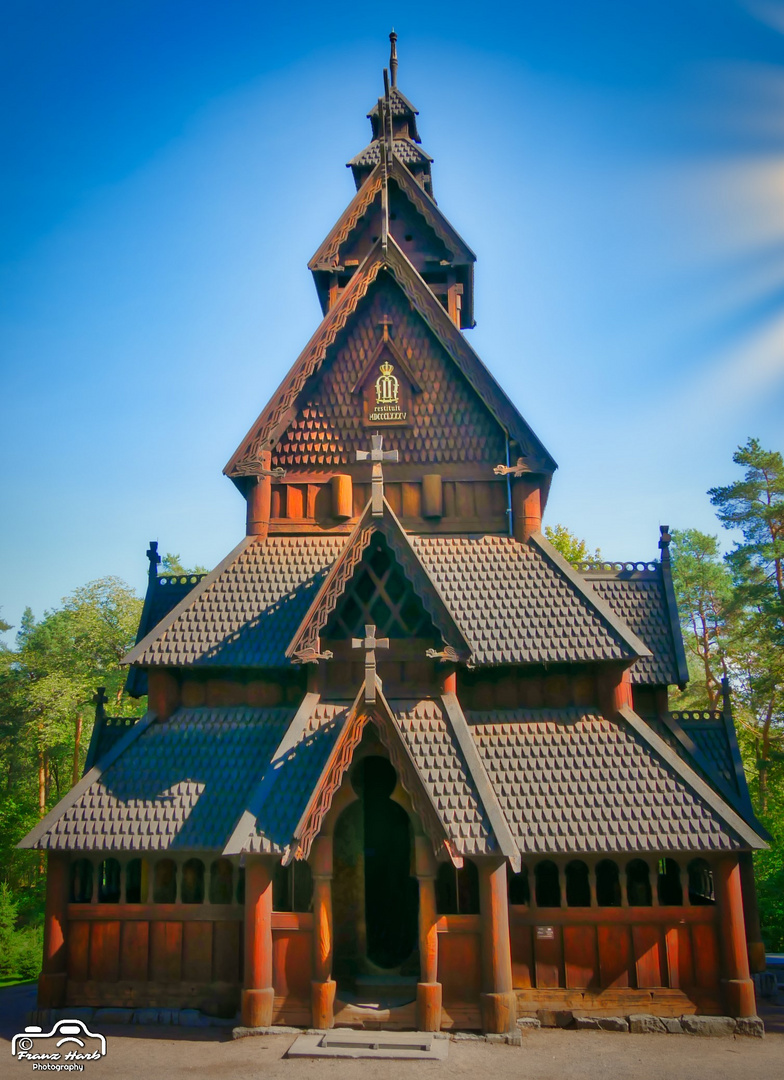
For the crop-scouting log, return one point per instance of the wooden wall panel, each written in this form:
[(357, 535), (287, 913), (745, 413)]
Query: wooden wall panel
[(226, 952), (548, 951), (464, 500), (105, 951), (412, 500), (292, 952), (615, 956), (581, 961), (134, 950), (78, 946), (522, 954), (706, 948), (648, 955), (197, 951), (680, 966), (166, 951), (460, 966)]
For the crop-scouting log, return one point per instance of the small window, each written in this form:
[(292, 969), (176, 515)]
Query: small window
[(241, 885), (701, 889), (109, 882), (135, 882), (193, 882), (578, 888), (668, 883), (608, 884), (81, 881), (548, 887), (457, 891), (292, 887), (165, 882), (638, 883), (519, 888), (221, 881)]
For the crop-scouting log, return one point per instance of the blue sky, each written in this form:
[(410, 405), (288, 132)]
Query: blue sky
[(169, 168)]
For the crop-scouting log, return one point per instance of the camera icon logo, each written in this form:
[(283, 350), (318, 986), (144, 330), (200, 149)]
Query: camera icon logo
[(69, 1040)]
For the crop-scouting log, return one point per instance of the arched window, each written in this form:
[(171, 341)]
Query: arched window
[(548, 887), (135, 882), (221, 881), (638, 883), (457, 891), (701, 889), (668, 883), (81, 881), (292, 887), (193, 882), (519, 888), (109, 882), (164, 890), (608, 884), (578, 889)]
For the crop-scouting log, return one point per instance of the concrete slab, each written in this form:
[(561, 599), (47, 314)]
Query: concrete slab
[(347, 1043)]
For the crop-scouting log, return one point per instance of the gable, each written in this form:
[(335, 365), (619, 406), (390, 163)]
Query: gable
[(448, 421)]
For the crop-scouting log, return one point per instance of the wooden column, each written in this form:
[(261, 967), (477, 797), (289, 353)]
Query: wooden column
[(259, 499), (53, 977), (323, 985), (163, 693), (429, 992), (258, 994), (615, 690), (499, 1004), (736, 985), (342, 496), (526, 508), (754, 942), (432, 496)]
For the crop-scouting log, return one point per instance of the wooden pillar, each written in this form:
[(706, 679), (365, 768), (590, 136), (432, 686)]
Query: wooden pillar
[(615, 690), (258, 994), (526, 508), (259, 500), (499, 1004), (754, 942), (450, 679), (54, 971), (432, 496), (323, 985), (429, 992), (736, 985), (163, 693), (342, 496)]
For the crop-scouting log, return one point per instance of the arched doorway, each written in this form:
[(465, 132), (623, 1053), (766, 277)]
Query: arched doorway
[(375, 891)]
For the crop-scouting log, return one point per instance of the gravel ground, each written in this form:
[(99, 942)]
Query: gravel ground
[(545, 1055)]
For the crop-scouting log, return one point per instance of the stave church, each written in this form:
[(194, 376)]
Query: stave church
[(403, 766)]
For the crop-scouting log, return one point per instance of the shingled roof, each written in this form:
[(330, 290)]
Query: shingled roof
[(177, 784), (245, 612), (570, 780), (281, 411), (637, 593), (518, 604)]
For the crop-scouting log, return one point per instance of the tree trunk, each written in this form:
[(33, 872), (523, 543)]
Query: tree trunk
[(41, 802), (77, 746), (764, 760)]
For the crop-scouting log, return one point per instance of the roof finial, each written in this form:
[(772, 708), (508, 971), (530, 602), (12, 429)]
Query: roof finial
[(393, 57)]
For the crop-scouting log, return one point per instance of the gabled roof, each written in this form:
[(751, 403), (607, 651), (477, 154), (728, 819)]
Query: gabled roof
[(306, 637), (245, 612), (400, 106), (522, 603), (405, 149), (327, 255), (570, 780), (638, 594), (281, 409)]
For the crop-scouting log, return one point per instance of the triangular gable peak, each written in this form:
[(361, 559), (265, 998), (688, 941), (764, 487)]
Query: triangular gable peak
[(403, 566), (381, 717), (434, 247), (330, 432)]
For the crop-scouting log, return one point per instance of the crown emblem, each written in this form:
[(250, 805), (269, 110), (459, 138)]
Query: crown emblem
[(386, 369)]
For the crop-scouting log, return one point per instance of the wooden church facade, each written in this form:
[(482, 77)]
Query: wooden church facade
[(402, 764)]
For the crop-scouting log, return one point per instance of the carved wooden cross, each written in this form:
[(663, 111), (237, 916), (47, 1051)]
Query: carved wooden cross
[(377, 455), (370, 643)]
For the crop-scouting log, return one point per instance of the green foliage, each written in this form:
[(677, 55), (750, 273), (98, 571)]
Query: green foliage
[(573, 549), (8, 912), (171, 564)]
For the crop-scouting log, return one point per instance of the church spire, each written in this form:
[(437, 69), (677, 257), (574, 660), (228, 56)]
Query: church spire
[(393, 58)]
